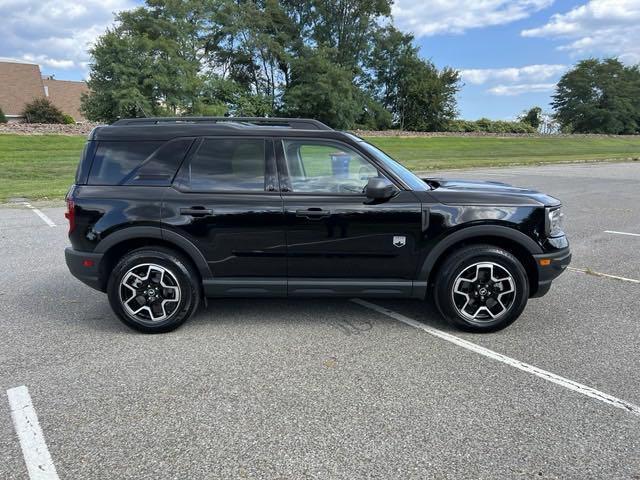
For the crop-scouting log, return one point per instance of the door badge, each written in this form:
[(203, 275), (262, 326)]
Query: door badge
[(399, 241)]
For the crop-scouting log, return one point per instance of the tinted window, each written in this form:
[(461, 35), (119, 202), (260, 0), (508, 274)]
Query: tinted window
[(161, 166), (114, 161), (321, 167), (223, 164), (405, 174)]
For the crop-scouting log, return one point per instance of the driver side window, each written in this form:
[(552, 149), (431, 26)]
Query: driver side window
[(325, 167)]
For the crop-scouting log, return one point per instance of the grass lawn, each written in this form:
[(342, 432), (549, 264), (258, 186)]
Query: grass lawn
[(43, 166), (38, 166), (429, 153)]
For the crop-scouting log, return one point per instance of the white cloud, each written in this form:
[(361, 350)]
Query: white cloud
[(528, 73), (55, 33), (598, 27), (49, 62), (432, 17), (519, 89)]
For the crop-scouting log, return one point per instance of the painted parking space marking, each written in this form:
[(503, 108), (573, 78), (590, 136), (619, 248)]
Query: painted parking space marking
[(525, 367), (622, 233), (44, 218), (34, 449), (588, 271)]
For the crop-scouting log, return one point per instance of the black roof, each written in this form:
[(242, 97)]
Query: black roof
[(165, 128)]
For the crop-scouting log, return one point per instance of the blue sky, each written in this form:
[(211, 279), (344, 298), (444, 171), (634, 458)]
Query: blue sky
[(500, 47), (510, 52)]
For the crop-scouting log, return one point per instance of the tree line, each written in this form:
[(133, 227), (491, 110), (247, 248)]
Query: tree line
[(342, 62)]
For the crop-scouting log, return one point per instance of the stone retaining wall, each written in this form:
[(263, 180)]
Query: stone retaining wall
[(46, 128)]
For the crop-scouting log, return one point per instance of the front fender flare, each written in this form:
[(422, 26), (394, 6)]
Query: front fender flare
[(469, 233)]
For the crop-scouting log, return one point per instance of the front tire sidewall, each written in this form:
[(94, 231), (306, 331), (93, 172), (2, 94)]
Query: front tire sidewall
[(465, 258), (189, 295)]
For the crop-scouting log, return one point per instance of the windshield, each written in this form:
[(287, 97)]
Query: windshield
[(404, 173)]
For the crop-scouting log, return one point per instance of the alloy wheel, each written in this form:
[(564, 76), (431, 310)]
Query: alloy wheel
[(149, 293), (483, 292)]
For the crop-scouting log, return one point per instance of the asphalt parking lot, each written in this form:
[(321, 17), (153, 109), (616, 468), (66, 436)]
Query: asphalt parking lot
[(331, 389)]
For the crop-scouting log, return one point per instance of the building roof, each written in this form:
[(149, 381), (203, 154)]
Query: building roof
[(66, 94), (20, 83), (16, 60)]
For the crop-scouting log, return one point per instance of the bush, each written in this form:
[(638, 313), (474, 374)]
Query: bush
[(68, 119), (485, 125), (374, 117), (41, 110), (3, 118)]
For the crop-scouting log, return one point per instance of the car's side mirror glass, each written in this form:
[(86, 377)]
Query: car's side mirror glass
[(380, 188)]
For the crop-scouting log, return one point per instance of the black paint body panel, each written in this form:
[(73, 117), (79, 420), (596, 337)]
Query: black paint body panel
[(262, 243)]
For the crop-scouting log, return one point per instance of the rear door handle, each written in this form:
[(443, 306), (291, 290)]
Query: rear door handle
[(313, 213), (196, 211)]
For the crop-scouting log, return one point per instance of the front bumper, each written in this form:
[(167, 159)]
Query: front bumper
[(85, 267), (549, 271)]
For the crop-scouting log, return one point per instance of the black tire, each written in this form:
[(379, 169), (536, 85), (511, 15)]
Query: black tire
[(483, 297), (175, 271)]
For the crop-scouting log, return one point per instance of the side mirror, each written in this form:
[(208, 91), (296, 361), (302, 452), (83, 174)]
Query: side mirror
[(380, 188)]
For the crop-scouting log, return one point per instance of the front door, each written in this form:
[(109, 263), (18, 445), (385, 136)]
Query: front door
[(338, 242), (225, 200)]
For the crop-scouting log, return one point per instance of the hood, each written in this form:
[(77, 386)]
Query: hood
[(470, 192)]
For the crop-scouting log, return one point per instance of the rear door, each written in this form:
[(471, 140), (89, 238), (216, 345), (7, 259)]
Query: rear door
[(226, 200), (338, 241)]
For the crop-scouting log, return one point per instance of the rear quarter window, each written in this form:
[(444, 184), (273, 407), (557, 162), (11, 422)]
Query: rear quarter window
[(138, 163)]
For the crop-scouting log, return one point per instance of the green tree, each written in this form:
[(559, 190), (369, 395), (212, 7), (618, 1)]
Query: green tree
[(265, 57), (323, 90), (599, 96), (147, 65), (532, 117), (344, 28), (374, 115), (419, 96), (3, 117), (41, 110)]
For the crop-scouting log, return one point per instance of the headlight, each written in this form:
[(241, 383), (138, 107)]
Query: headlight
[(554, 222)]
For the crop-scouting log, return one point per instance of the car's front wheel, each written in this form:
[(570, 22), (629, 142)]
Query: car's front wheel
[(481, 288), (153, 290)]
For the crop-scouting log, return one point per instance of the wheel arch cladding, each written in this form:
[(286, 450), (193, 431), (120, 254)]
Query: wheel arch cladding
[(518, 244), (119, 243)]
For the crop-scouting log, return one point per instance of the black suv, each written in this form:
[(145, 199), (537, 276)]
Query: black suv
[(168, 211)]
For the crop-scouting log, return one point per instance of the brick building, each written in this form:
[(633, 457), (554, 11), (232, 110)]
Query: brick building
[(21, 82)]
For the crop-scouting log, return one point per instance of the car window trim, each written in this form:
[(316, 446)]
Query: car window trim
[(283, 172), (269, 159)]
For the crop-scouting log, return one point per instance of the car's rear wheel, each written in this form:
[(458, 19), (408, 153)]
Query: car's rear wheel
[(153, 290), (481, 288)]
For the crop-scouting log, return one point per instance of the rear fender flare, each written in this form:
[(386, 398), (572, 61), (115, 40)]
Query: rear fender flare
[(146, 232)]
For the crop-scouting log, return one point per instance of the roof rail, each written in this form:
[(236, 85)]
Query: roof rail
[(299, 123)]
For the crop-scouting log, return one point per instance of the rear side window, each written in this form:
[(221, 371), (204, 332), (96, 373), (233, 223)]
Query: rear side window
[(138, 163), (226, 164)]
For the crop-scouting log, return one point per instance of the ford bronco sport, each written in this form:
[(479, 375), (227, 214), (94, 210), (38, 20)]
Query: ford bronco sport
[(165, 212)]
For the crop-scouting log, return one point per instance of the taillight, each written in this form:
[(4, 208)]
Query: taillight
[(71, 215)]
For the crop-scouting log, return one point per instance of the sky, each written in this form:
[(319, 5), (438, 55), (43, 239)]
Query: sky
[(510, 53)]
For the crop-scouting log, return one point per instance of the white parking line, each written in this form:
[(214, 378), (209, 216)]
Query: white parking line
[(525, 367), (623, 233), (34, 449), (599, 274), (44, 218)]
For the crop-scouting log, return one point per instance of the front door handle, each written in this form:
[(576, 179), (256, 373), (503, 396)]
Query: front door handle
[(313, 213), (196, 211)]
